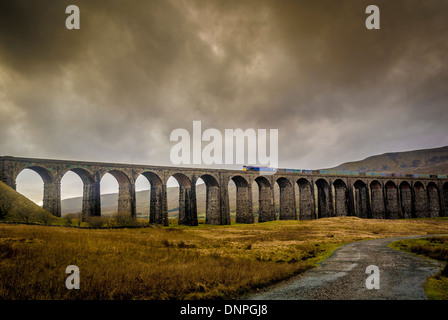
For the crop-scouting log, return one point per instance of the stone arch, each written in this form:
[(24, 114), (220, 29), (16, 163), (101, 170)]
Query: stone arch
[(324, 199), (91, 198), (187, 200), (362, 205), (212, 207), (44, 173), (182, 179), (158, 211), (266, 210), (392, 205), (377, 200), (406, 199), (433, 200), (51, 200), (85, 175), (420, 200), (287, 199), (340, 198), (244, 210), (306, 200), (122, 178), (126, 191)]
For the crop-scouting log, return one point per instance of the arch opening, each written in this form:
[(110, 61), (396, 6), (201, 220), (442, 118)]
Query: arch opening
[(186, 210), (72, 192), (30, 183), (109, 190), (151, 198), (113, 202), (44, 188)]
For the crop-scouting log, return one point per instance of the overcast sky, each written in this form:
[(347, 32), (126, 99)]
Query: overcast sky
[(115, 89)]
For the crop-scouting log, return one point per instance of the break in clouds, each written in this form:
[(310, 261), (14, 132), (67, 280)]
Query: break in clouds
[(136, 70)]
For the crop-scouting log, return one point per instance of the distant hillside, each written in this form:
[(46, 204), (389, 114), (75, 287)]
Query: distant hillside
[(109, 202), (429, 161)]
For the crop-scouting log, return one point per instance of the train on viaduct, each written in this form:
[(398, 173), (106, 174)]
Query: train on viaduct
[(319, 193)]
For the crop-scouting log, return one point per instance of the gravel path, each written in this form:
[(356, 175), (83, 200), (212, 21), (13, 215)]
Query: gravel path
[(343, 275)]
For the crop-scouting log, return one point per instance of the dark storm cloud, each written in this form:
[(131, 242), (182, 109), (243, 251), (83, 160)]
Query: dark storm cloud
[(136, 70)]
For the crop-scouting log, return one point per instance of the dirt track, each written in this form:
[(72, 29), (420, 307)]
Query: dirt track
[(343, 275)]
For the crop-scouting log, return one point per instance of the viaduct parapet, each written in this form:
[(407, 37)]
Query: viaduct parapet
[(318, 195)]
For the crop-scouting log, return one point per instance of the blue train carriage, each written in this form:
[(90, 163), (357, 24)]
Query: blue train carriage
[(421, 175), (264, 169), (269, 169)]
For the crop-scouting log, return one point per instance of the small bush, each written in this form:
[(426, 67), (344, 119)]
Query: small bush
[(69, 218), (125, 220), (96, 222), (23, 215), (43, 217)]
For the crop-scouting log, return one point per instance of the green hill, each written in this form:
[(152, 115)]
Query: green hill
[(16, 207), (428, 161)]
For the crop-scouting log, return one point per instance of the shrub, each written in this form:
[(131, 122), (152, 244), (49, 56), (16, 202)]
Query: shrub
[(6, 206), (96, 222), (43, 217), (68, 219), (23, 215), (125, 220)]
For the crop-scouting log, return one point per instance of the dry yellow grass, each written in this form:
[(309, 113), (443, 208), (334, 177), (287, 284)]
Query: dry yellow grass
[(209, 262)]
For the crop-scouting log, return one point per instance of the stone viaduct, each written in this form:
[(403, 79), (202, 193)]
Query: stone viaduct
[(319, 194)]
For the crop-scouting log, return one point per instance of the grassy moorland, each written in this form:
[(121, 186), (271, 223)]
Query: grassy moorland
[(436, 287), (203, 262)]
